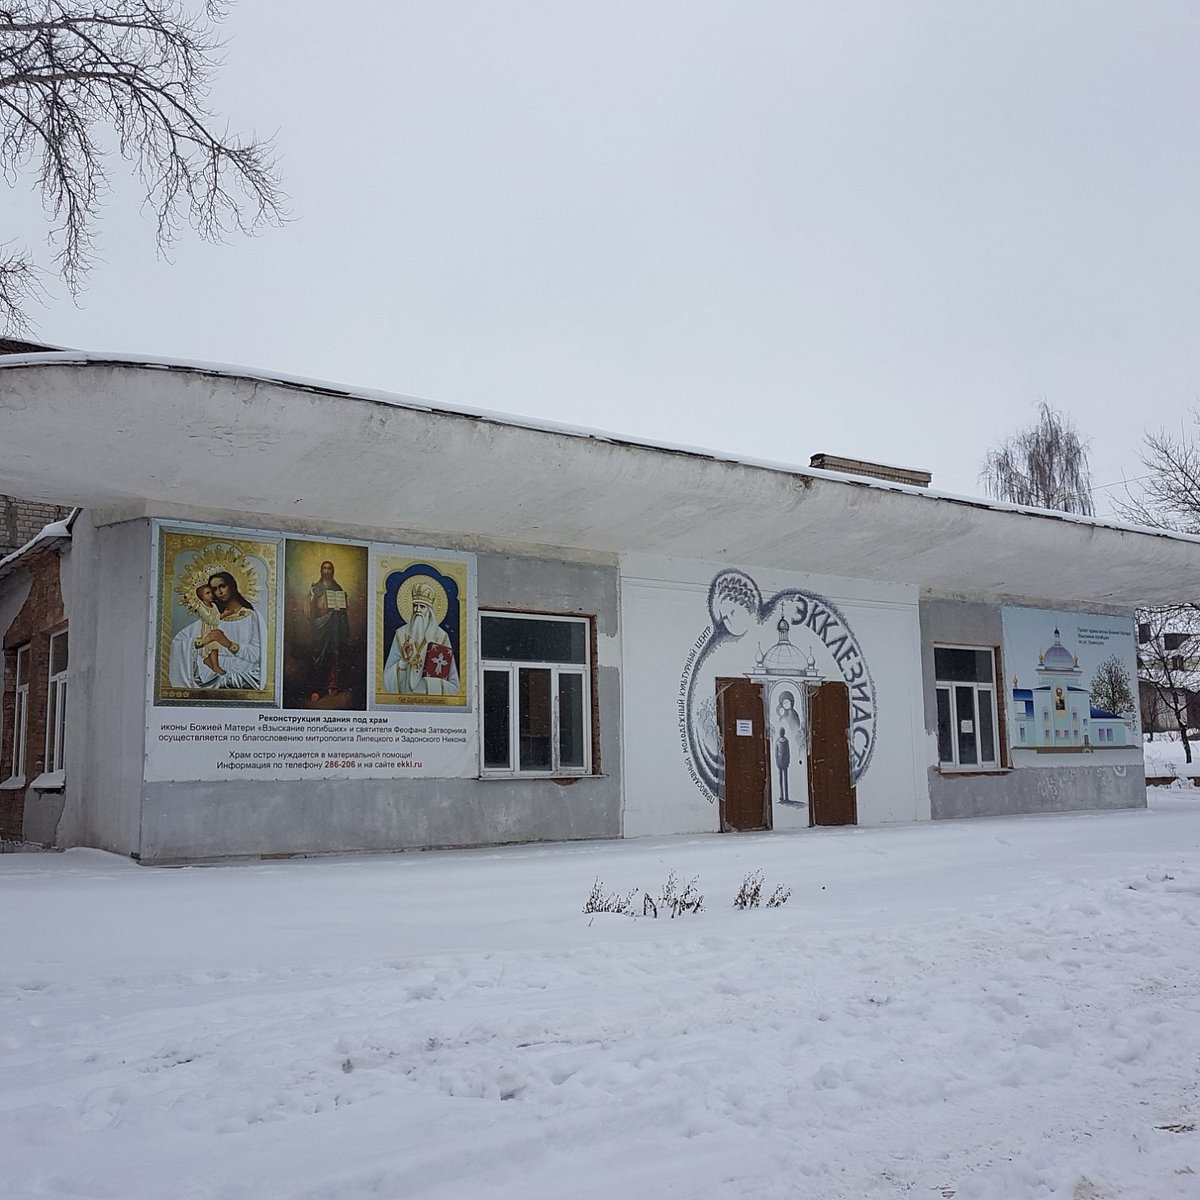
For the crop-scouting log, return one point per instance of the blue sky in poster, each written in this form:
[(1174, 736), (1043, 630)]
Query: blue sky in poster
[(1091, 637)]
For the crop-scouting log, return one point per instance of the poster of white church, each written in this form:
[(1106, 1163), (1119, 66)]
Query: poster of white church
[(1071, 689)]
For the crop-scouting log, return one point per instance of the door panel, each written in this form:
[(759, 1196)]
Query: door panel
[(741, 718), (830, 784)]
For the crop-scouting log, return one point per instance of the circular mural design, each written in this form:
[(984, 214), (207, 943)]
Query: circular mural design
[(789, 641)]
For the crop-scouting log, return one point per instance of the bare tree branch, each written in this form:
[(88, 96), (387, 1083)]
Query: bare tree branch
[(1169, 637), (1170, 495), (140, 69), (1045, 466), (1168, 656), (19, 287)]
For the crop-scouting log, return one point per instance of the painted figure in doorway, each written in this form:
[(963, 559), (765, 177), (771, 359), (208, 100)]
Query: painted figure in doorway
[(787, 722), (421, 659), (783, 760), (787, 718)]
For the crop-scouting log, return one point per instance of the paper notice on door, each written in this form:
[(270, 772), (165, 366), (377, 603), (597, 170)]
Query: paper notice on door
[(744, 728)]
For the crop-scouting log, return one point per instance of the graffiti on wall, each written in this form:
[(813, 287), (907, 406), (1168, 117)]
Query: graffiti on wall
[(790, 642)]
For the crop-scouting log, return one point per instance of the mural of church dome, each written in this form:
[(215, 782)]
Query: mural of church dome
[(785, 659), (1058, 659)]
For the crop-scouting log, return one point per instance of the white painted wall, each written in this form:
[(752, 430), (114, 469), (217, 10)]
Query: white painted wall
[(666, 618), (105, 583)]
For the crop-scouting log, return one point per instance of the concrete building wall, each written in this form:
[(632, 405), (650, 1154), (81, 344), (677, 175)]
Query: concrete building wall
[(195, 820), (14, 591), (106, 583), (677, 645), (106, 594), (1008, 790), (31, 799)]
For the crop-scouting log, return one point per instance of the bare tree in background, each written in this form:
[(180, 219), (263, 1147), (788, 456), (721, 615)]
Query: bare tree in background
[(1169, 637), (1170, 495), (1168, 657), (72, 74), (1045, 466)]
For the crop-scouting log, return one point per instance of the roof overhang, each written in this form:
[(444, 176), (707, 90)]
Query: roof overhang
[(115, 433), (50, 537)]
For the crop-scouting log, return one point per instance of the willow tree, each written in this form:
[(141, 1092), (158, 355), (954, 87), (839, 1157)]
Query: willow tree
[(1044, 466), (77, 78)]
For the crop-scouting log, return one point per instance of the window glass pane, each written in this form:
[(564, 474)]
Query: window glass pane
[(523, 639), (534, 720), (58, 653), (497, 751), (22, 666), (962, 666), (51, 726), (964, 714), (20, 728), (945, 727), (987, 731), (570, 721), (62, 725)]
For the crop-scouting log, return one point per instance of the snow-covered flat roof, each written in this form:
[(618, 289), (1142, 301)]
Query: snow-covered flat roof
[(53, 534), (117, 430)]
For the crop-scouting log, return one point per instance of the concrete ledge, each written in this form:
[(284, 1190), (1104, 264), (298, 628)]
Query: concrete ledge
[(1036, 790)]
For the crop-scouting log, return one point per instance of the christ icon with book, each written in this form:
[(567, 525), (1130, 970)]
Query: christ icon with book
[(329, 627)]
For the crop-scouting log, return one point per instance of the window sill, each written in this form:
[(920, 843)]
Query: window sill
[(14, 783), (49, 781), (961, 772), (549, 776)]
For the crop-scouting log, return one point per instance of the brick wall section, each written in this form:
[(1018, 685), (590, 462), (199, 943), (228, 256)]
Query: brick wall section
[(21, 519), (40, 616)]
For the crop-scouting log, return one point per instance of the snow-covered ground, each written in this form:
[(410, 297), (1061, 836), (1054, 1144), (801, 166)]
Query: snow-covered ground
[(1165, 756), (990, 1008)]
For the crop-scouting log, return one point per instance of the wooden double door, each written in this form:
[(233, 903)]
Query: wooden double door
[(745, 741)]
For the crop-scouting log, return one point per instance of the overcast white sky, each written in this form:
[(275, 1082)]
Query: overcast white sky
[(883, 229)]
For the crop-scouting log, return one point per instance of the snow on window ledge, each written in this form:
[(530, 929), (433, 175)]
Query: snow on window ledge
[(13, 783), (49, 781), (981, 769)]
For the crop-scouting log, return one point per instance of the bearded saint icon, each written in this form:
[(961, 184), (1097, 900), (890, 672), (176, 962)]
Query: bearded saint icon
[(421, 661)]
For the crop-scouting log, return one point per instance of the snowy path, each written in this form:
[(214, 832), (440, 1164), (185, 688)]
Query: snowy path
[(999, 1008)]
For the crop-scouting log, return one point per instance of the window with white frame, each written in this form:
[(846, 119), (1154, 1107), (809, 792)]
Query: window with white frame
[(20, 724), (966, 706), (536, 694), (56, 702)]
